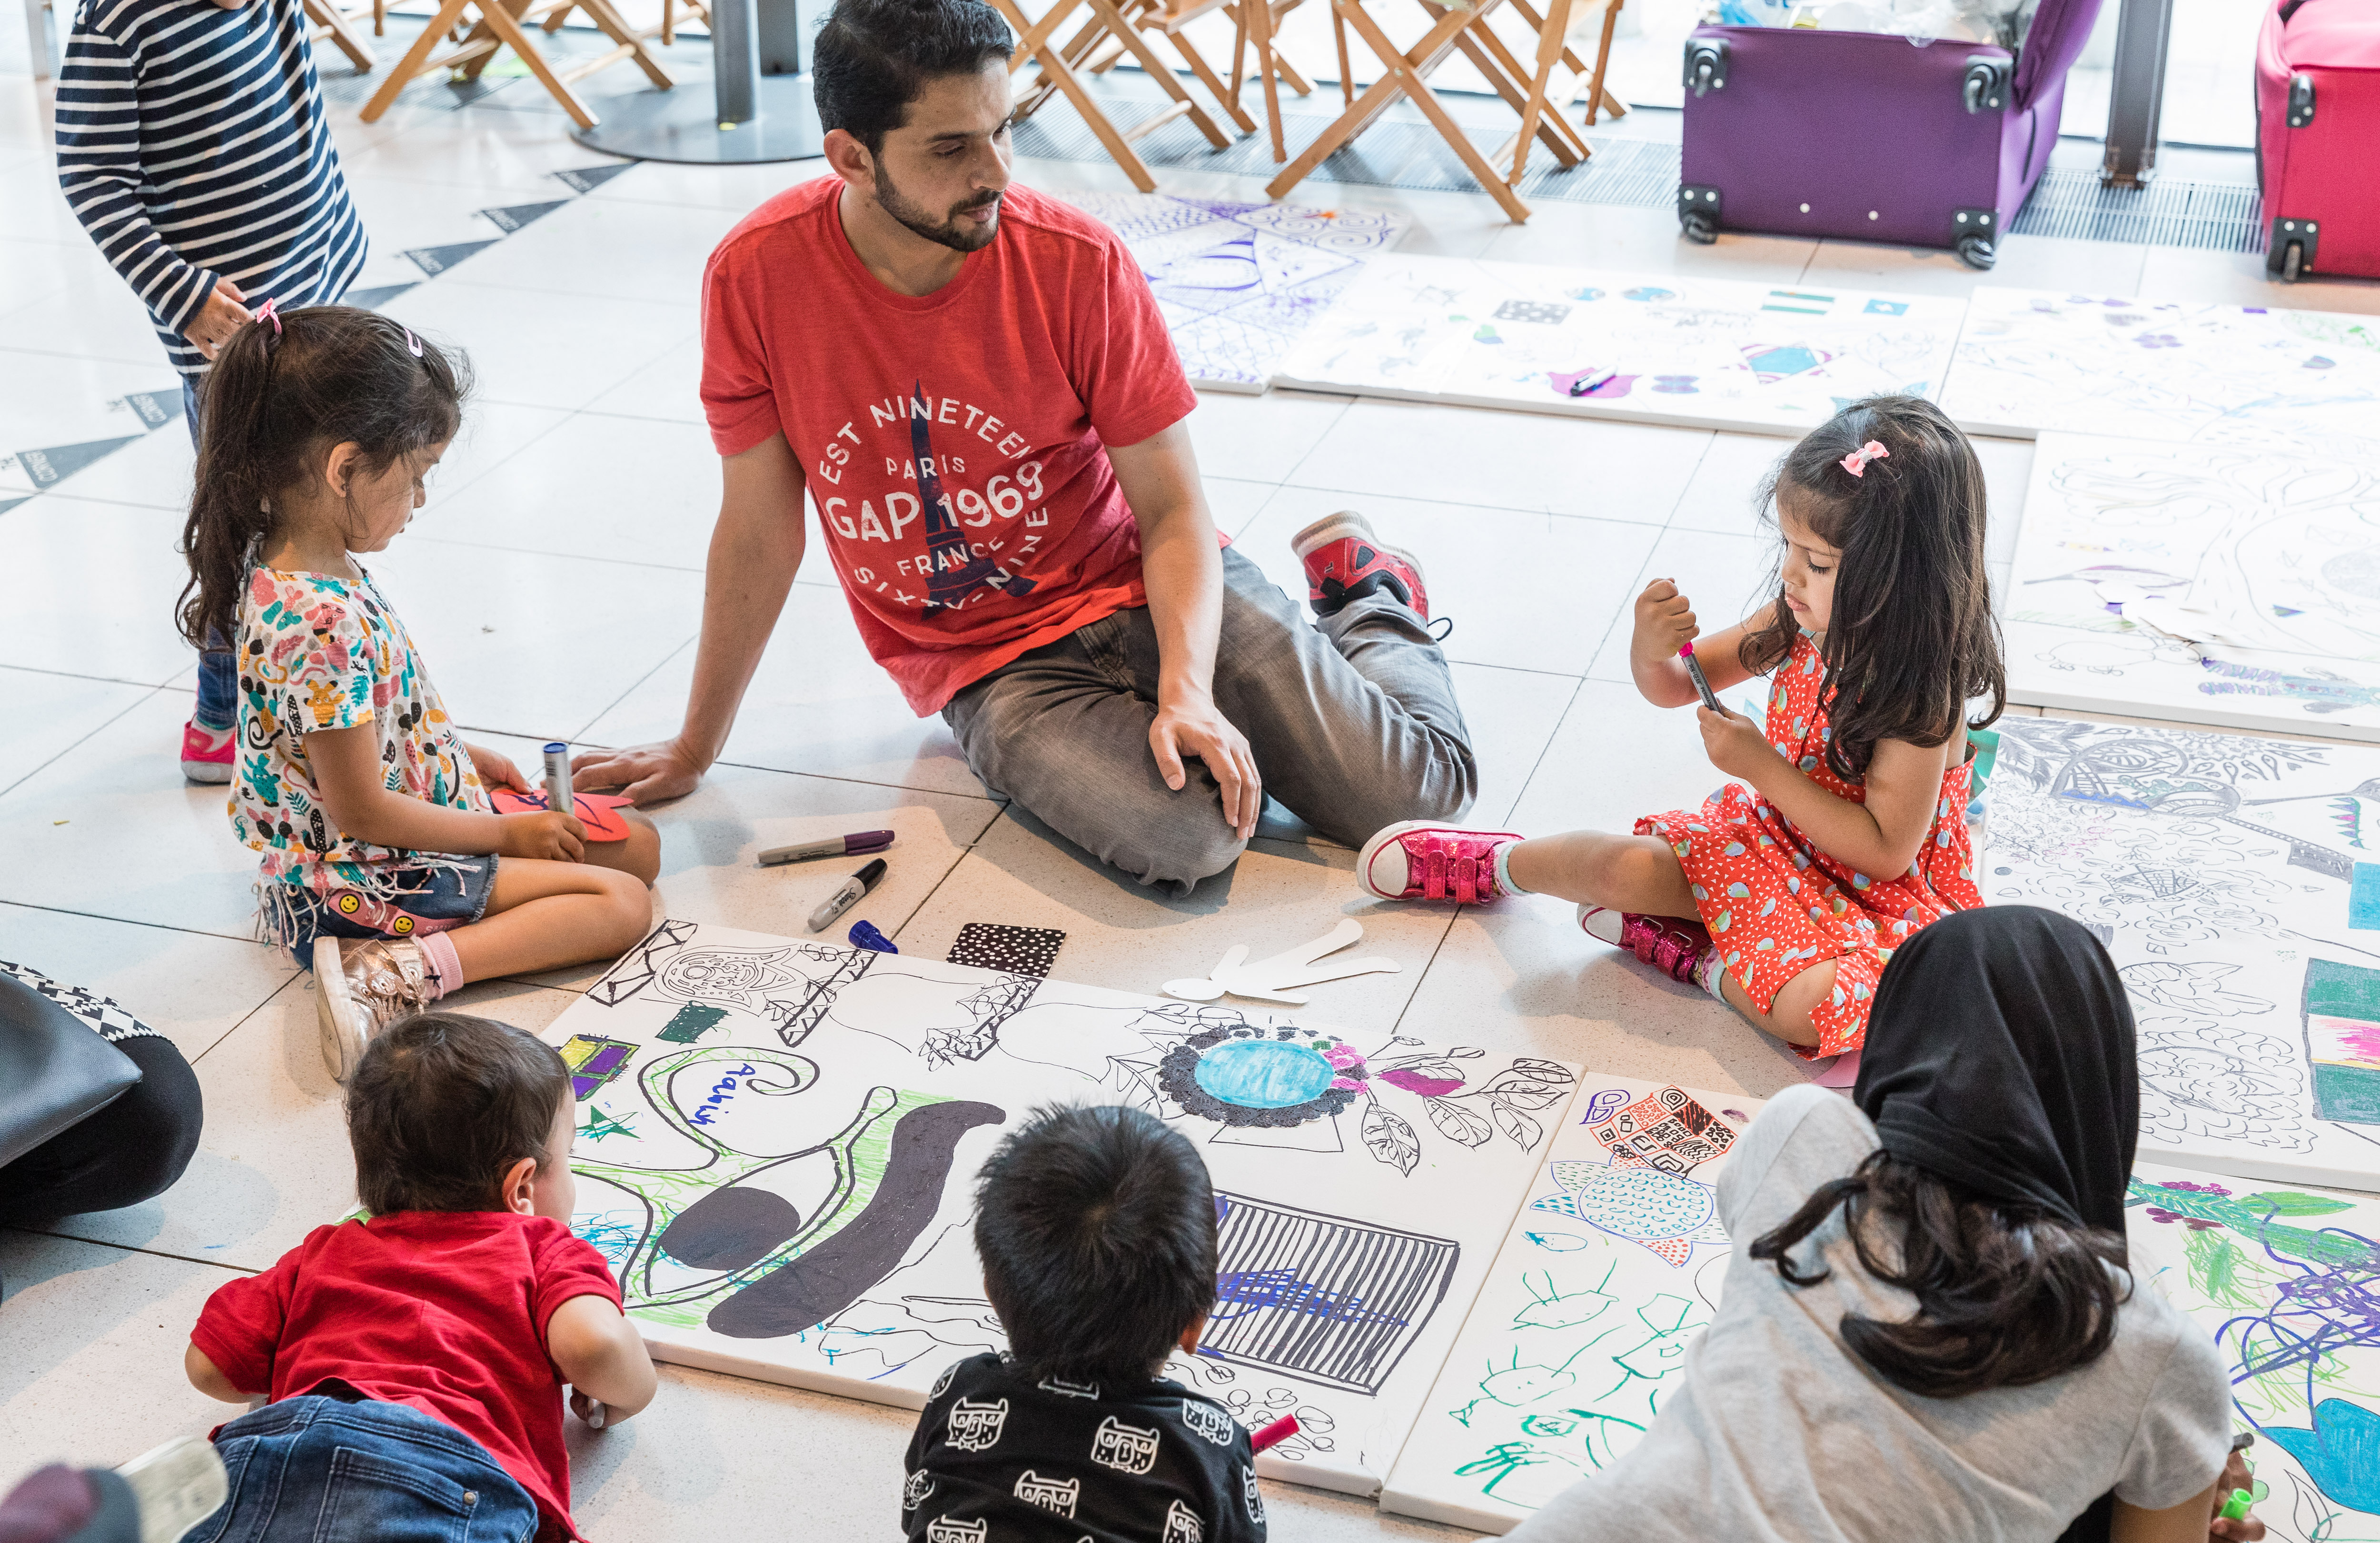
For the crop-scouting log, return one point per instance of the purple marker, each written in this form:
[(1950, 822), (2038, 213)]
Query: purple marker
[(852, 846)]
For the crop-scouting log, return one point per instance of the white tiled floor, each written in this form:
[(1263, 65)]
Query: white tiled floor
[(555, 583)]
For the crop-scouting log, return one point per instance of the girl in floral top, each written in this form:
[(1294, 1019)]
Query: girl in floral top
[(380, 847), (1786, 891)]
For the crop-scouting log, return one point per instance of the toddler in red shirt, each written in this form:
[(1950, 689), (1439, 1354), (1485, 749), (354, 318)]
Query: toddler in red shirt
[(415, 1359)]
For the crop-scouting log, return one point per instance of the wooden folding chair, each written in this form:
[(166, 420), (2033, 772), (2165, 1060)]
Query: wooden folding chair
[(338, 26), (1254, 23), (1105, 32), (695, 10), (503, 24), (1585, 82), (1408, 73)]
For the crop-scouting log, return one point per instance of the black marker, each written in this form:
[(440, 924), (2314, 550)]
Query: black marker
[(1693, 668), (848, 895)]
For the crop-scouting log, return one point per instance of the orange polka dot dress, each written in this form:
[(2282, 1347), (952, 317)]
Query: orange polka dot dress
[(1776, 905)]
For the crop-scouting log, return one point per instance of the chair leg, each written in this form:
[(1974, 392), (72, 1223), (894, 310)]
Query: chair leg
[(1126, 34), (500, 21), (416, 58), (1057, 72), (1346, 75), (1596, 94), (1417, 89), (1549, 49), (1229, 99), (334, 22)]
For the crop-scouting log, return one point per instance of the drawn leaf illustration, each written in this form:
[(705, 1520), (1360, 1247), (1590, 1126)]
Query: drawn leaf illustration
[(1458, 1122), (1390, 1140), (1514, 1123), (1523, 1094), (1466, 1052), (2290, 1202), (1541, 1070), (1431, 1079)]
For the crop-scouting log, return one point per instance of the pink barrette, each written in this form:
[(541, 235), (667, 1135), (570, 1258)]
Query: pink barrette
[(411, 342), (269, 311), (1856, 462)]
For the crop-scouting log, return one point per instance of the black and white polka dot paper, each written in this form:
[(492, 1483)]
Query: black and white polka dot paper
[(1018, 950)]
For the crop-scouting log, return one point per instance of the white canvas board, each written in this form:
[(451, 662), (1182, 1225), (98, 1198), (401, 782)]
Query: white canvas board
[(2276, 551), (778, 1141), (2033, 359), (2222, 871), (1239, 283), (1612, 1267), (1705, 353), (2288, 1284)]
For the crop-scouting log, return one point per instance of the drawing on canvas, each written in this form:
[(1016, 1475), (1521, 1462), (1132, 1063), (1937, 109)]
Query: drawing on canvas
[(2219, 583), (2030, 359), (777, 1139), (2288, 1283), (1709, 353), (1239, 283), (1580, 1326), (2220, 870)]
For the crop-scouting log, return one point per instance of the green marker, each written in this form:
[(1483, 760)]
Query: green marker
[(2236, 1507)]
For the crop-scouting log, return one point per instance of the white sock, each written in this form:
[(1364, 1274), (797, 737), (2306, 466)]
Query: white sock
[(1708, 974), (1504, 868)]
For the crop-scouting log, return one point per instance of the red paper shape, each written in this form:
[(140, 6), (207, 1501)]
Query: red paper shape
[(597, 811)]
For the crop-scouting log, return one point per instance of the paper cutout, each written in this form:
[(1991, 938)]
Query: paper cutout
[(1273, 980), (594, 810)]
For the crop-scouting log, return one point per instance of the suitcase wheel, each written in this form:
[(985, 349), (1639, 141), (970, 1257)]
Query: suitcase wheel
[(1976, 252), (2291, 262), (1699, 228), (2289, 247)]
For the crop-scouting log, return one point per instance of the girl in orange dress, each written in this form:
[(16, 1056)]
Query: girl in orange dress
[(1845, 830)]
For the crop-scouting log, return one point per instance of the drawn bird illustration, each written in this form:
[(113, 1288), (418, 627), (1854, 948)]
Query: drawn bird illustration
[(1665, 1212)]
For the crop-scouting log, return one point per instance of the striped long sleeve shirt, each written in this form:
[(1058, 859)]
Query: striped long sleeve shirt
[(192, 147)]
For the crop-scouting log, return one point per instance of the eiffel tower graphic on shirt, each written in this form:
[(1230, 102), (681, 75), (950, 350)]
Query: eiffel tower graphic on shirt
[(951, 573)]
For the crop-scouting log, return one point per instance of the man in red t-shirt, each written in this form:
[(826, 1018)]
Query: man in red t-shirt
[(974, 388)]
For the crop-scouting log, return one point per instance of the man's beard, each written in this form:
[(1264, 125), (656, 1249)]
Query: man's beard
[(947, 232)]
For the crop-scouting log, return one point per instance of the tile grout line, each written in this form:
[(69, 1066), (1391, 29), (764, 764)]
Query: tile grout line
[(1544, 750), (630, 690), (248, 1017), (32, 772), (127, 921), (131, 1248)]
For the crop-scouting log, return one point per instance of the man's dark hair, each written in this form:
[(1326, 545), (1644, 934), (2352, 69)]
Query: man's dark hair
[(442, 1103), (1096, 1230), (873, 58)]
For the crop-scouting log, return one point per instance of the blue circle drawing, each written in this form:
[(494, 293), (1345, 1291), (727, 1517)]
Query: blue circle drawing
[(1264, 1074)]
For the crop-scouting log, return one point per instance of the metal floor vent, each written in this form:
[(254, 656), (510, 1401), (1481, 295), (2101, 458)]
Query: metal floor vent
[(2214, 216)]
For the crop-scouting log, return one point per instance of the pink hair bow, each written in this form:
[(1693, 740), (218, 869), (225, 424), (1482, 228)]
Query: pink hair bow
[(1856, 462), (269, 311)]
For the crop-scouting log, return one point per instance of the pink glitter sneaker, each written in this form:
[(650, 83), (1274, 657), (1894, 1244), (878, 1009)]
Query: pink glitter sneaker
[(1671, 944), (1420, 859)]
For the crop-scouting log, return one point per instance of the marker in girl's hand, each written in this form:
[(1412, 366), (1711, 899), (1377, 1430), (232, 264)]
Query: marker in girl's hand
[(1702, 682), (1274, 1434), (557, 779)]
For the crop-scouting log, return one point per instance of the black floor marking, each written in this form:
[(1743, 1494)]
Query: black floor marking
[(434, 261), (511, 217)]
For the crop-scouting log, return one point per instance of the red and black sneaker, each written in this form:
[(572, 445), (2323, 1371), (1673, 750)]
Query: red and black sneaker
[(1345, 560)]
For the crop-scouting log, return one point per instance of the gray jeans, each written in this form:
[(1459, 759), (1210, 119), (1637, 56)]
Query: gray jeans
[(1353, 722)]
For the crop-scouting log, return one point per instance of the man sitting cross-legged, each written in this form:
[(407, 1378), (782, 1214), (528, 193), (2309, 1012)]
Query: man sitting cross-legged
[(973, 386)]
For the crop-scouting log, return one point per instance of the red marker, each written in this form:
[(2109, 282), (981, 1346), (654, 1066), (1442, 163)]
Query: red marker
[(1274, 1434)]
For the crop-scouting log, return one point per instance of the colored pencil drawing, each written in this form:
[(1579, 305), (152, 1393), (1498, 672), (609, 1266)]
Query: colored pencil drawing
[(1238, 283), (783, 1178), (2218, 870), (1704, 352), (2199, 373), (2212, 582), (2288, 1284), (1580, 1332)]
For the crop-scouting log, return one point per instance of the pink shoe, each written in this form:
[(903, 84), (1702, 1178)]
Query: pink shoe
[(1345, 558), (1420, 859), (207, 754), (1671, 944)]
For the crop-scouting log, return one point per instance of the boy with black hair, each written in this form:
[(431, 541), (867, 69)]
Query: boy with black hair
[(1097, 1230), (415, 1358)]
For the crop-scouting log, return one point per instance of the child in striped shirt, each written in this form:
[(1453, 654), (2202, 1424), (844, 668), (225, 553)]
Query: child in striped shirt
[(192, 147)]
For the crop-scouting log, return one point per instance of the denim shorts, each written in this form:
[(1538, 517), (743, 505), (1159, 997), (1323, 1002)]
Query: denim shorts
[(316, 1469), (431, 897)]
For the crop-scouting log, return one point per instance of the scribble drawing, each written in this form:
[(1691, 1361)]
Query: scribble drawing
[(1320, 1298), (1665, 1212), (635, 971), (2342, 1030), (1666, 1129), (749, 1241), (2296, 1310), (1237, 282), (594, 1061)]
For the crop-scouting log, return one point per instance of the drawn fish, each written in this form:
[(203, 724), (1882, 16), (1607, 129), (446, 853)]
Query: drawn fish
[(1667, 1213)]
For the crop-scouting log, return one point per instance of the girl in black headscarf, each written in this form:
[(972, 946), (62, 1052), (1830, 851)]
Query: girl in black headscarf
[(1933, 1334)]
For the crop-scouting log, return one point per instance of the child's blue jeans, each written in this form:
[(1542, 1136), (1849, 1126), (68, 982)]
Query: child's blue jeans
[(321, 1470)]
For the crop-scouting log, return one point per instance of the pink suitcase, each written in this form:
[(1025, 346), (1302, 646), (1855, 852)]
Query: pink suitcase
[(2318, 136)]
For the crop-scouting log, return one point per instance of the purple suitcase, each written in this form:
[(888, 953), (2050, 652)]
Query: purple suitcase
[(1865, 136)]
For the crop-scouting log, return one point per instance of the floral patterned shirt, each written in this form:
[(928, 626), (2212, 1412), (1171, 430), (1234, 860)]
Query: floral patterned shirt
[(316, 652)]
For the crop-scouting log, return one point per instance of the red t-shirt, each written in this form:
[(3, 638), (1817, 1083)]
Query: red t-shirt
[(444, 1311), (954, 443)]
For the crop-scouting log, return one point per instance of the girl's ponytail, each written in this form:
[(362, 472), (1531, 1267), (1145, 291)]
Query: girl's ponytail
[(283, 390)]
